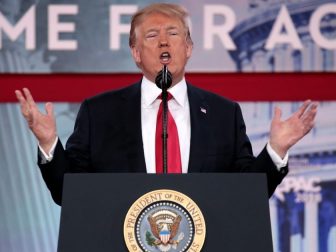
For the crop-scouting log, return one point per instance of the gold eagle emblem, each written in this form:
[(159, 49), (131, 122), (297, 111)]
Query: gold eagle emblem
[(164, 227)]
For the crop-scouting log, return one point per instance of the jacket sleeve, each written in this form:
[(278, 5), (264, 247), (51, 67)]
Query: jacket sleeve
[(245, 162), (76, 157)]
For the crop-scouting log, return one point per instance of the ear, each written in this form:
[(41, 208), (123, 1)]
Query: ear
[(136, 55), (189, 49)]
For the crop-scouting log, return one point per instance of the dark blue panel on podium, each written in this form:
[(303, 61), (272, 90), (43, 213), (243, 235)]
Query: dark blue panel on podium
[(235, 208)]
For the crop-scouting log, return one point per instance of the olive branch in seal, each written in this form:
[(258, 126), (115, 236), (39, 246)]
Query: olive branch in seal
[(150, 239)]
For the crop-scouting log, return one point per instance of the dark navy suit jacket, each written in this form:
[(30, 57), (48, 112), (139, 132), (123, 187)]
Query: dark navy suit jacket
[(107, 138)]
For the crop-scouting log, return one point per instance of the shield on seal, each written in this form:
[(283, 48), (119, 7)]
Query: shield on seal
[(164, 236)]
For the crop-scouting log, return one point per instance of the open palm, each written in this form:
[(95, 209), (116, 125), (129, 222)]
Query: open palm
[(42, 125), (285, 133)]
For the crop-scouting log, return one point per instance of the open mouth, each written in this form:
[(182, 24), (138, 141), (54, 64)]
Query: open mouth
[(165, 57)]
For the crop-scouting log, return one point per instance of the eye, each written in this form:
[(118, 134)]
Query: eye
[(173, 33), (151, 35)]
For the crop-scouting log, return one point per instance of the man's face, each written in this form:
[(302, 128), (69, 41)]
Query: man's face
[(161, 40)]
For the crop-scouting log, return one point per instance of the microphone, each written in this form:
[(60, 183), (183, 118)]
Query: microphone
[(164, 78)]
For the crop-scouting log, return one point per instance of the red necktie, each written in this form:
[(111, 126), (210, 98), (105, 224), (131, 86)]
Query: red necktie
[(173, 147)]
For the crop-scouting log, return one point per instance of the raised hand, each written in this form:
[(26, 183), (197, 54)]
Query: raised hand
[(42, 125), (284, 134)]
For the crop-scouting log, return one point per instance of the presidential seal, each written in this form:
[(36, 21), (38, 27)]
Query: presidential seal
[(162, 221)]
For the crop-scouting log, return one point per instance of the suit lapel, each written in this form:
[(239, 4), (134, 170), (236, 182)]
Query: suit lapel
[(198, 122), (132, 124), (133, 138)]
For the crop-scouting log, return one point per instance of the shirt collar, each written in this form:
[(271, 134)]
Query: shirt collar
[(150, 92)]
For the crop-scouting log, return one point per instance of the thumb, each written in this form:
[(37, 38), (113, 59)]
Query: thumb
[(49, 109), (277, 114)]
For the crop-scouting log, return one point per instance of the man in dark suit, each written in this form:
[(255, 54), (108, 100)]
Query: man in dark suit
[(115, 131)]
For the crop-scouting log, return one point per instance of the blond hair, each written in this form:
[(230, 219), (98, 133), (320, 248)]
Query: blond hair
[(167, 9)]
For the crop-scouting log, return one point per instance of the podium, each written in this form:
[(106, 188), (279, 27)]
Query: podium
[(234, 206)]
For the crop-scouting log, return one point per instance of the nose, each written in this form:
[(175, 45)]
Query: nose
[(163, 42)]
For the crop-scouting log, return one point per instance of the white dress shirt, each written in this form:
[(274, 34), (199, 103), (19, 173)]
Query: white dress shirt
[(179, 108)]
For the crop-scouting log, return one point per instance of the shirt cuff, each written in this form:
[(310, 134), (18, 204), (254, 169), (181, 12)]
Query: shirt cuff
[(277, 160), (46, 158)]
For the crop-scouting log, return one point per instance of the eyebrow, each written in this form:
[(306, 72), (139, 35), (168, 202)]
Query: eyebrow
[(152, 30), (156, 29), (171, 28)]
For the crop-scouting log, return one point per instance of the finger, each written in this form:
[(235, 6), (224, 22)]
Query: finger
[(25, 110), (309, 121), (20, 96), (309, 116), (29, 97), (49, 109), (303, 108), (277, 114), (314, 106), (309, 127), (311, 113)]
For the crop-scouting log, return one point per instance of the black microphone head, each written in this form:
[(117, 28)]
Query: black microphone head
[(164, 78)]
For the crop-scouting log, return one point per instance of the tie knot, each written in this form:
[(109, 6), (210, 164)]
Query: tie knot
[(169, 96)]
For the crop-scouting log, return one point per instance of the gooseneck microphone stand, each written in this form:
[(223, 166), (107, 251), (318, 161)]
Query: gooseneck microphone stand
[(164, 80)]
